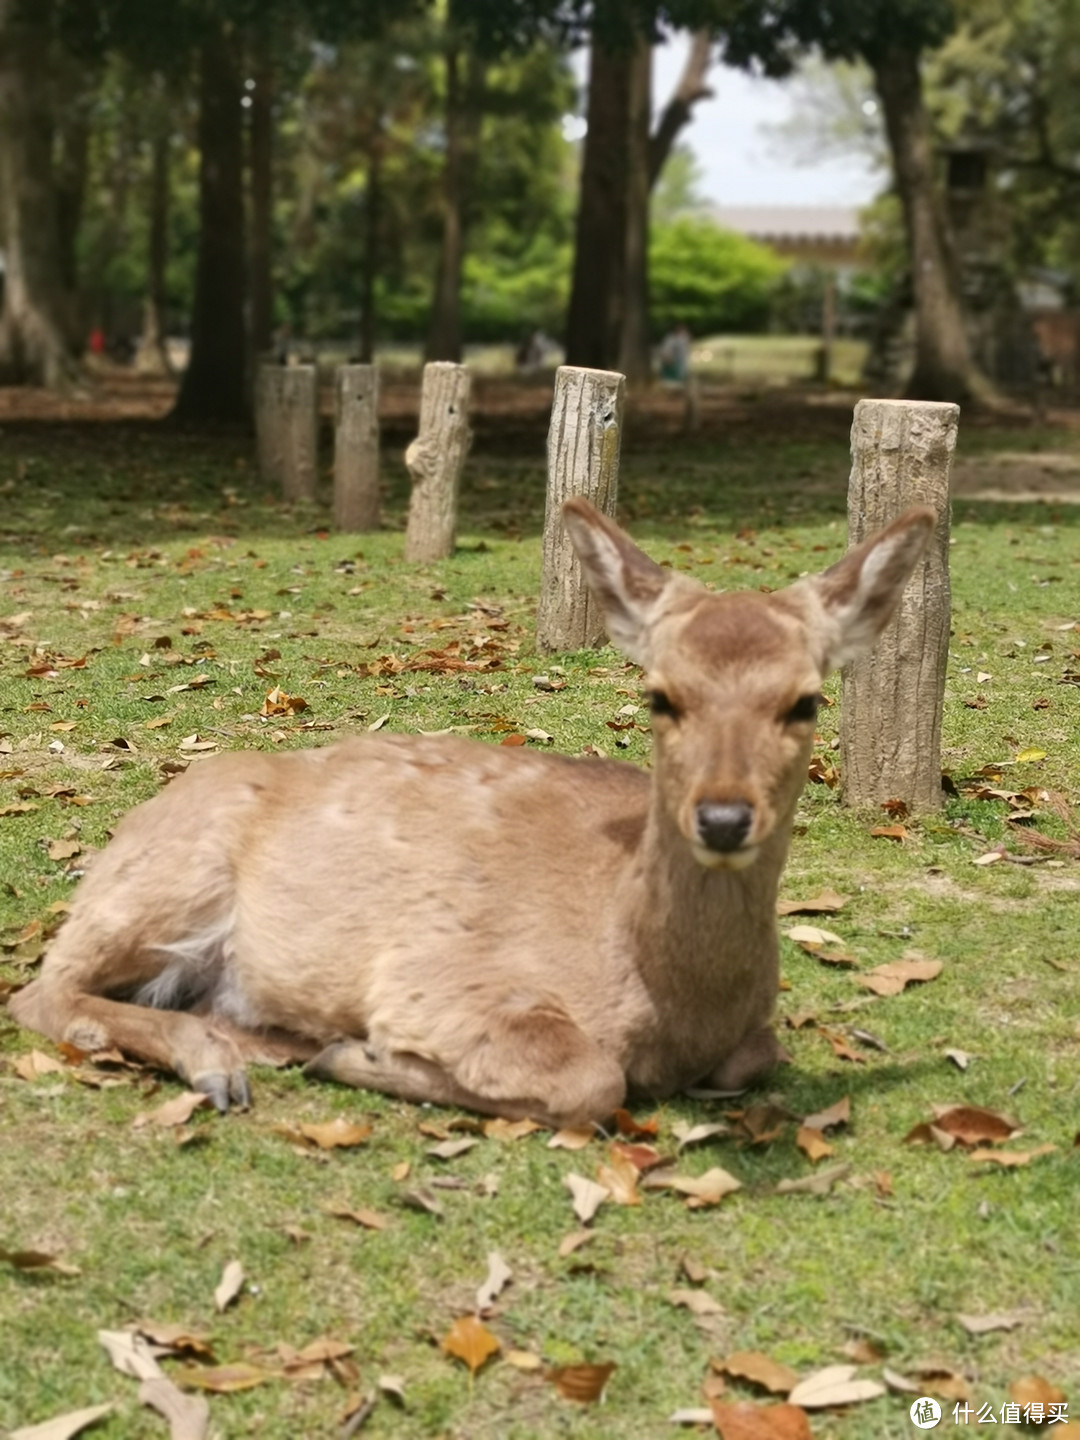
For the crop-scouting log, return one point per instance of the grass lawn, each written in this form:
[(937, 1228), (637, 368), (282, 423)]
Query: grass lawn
[(151, 592)]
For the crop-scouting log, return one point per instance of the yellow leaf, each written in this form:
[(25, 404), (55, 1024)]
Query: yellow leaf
[(1029, 757), (469, 1341)]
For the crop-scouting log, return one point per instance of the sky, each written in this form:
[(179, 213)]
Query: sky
[(742, 163)]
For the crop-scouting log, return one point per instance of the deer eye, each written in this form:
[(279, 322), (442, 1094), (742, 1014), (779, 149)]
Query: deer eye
[(660, 703), (805, 708)]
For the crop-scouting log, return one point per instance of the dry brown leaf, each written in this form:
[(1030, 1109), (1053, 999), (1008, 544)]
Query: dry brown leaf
[(971, 1125), (890, 832), (927, 1134), (469, 1341), (740, 1420), (223, 1379), (38, 1260), (229, 1286), (368, 1219), (588, 1196), (583, 1384), (636, 1129), (864, 1351), (620, 1178), (813, 936), (35, 1064), (188, 1415), (177, 1339), (451, 1149), (759, 1369), (401, 1171), (524, 1360), (177, 1111), (335, 1134), (892, 978), (941, 1382), (130, 1353), (278, 703), (838, 1114), (813, 1144), (574, 1241), (63, 849), (1034, 1390), (835, 1385), (985, 1324), (707, 1189), (571, 1139), (498, 1277), (1012, 1157), (422, 1200), (500, 1129), (828, 902), (641, 1157), (698, 1302), (63, 1427), (691, 1415), (688, 1134), (818, 1184)]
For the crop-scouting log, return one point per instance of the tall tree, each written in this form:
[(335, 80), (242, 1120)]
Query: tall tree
[(35, 323), (214, 385), (892, 36)]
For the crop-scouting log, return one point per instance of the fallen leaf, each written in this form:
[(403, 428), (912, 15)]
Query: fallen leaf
[(693, 1269), (619, 1176), (759, 1369), (571, 1139), (63, 1427), (1034, 1390), (818, 1184), (641, 1157), (890, 832), (984, 1324), (636, 1129), (500, 1129), (223, 1379), (177, 1339), (278, 703), (469, 1341), (524, 1360), (970, 1125), (177, 1111), (335, 1134), (451, 1149), (574, 1241), (698, 1302), (687, 1134), (229, 1286), (401, 1171), (927, 1134), (1012, 1157), (188, 1415), (422, 1200), (394, 1386), (707, 1189), (960, 1058), (498, 1277), (900, 1383), (691, 1416), (63, 849), (828, 902), (813, 936), (1029, 757), (130, 1353), (588, 1196), (813, 1144), (863, 1351), (937, 1380), (583, 1384), (35, 1064), (838, 1114), (367, 1219), (740, 1420), (892, 978), (38, 1260), (835, 1385)]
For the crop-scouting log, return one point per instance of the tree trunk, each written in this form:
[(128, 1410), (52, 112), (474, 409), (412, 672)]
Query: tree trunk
[(944, 369), (679, 109), (213, 386), (594, 320), (151, 357), (33, 328), (634, 359), (369, 280), (72, 166), (261, 138)]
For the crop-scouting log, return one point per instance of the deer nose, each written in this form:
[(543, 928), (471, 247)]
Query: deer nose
[(724, 826)]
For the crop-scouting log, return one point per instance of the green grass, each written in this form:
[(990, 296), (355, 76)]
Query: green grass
[(146, 553)]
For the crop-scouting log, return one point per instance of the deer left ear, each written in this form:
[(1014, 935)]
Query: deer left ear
[(860, 592)]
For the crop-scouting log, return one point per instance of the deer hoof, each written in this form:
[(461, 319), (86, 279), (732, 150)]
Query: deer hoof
[(217, 1085)]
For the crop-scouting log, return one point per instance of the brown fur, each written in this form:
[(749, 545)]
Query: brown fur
[(521, 933)]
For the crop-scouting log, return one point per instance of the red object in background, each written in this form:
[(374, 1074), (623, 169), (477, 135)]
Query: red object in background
[(96, 342)]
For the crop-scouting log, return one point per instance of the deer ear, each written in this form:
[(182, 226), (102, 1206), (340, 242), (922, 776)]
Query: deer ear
[(860, 592), (624, 580)]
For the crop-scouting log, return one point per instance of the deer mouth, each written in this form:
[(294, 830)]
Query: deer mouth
[(740, 859)]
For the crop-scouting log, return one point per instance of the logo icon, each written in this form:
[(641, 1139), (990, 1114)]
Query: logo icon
[(925, 1413)]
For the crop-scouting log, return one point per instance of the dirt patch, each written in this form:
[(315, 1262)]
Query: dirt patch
[(1052, 477)]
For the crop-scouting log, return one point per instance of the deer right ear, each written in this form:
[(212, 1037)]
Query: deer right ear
[(624, 580)]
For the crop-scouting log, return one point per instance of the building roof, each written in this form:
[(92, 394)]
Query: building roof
[(791, 223)]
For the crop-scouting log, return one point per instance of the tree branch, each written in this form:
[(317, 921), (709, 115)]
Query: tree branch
[(690, 89)]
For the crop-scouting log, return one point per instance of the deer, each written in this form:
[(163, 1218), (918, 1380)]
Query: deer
[(518, 933)]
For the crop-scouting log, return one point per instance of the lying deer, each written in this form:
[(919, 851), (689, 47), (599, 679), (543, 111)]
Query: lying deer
[(518, 933)]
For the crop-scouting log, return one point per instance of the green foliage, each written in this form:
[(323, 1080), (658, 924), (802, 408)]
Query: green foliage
[(709, 279)]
